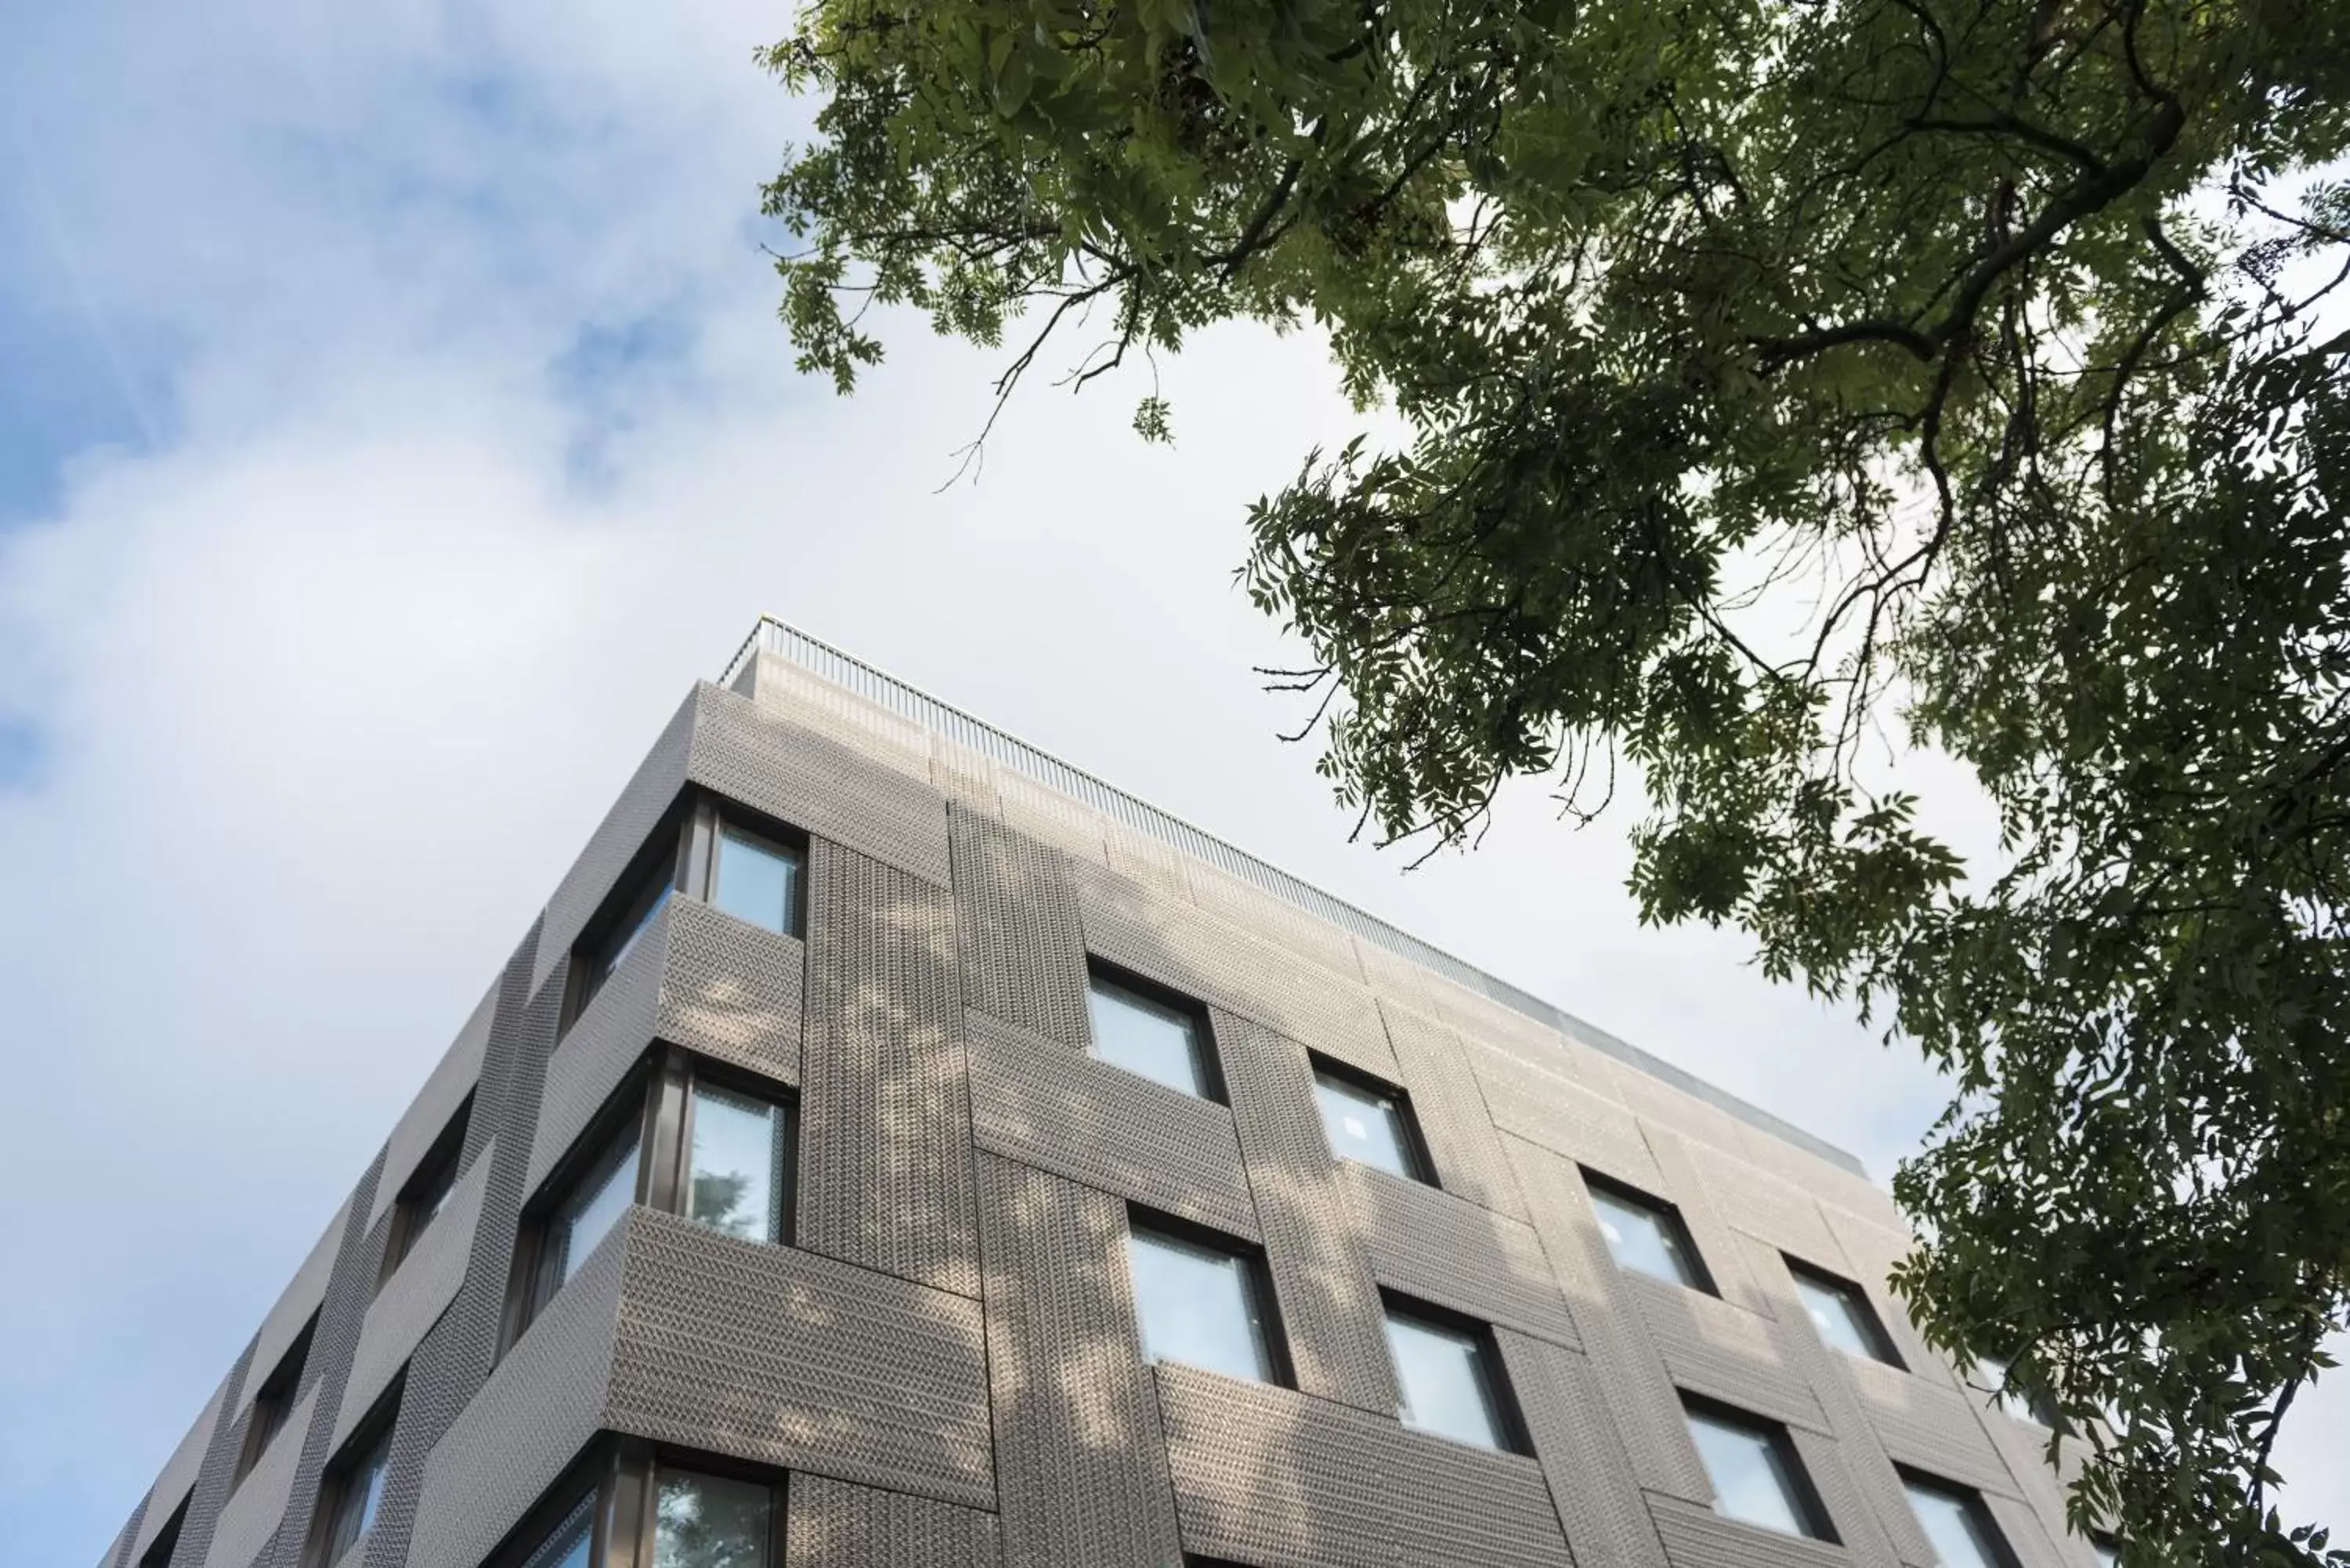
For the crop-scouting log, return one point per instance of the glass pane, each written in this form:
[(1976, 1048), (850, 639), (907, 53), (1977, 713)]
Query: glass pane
[(1198, 1306), (1843, 1321), (1959, 1535), (1644, 1240), (737, 1145), (1146, 1037), (1442, 1376), (1750, 1476), (2108, 1554), (633, 927), (567, 1545), (1365, 1125), (711, 1522), (597, 1206), (356, 1503), (757, 881)]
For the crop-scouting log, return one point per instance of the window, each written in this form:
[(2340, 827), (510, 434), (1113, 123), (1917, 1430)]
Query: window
[(275, 1401), (1956, 1524), (1842, 1314), (1448, 1379), (1162, 1041), (1645, 1236), (645, 1506), (427, 1192), (2107, 1551), (1202, 1305), (700, 850), (1756, 1476), (757, 879), (355, 1485), (739, 1164), (585, 1212), (167, 1539), (1367, 1122), (1996, 1375), (722, 1148)]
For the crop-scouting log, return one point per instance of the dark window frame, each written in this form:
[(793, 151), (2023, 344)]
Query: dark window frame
[(1509, 1414), (426, 1192), (379, 1426), (273, 1399), (1256, 1275), (2003, 1551), (1670, 1213), (679, 859), (1117, 977), (619, 1479), (1415, 1155), (1810, 1506), (657, 1094), (1872, 1323)]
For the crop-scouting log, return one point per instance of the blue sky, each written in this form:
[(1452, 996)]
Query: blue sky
[(393, 423)]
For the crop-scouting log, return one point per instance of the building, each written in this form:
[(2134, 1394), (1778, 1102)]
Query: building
[(893, 1146)]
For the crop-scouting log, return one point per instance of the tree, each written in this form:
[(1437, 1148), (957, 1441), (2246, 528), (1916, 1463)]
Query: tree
[(1776, 378)]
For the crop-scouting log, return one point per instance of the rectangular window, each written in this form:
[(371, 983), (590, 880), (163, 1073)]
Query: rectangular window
[(594, 1202), (427, 1192), (1647, 1235), (757, 879), (739, 1164), (354, 1486), (682, 1136), (1842, 1314), (1448, 1379), (1201, 1304), (1368, 1122), (274, 1402), (1956, 1523), (632, 1502), (711, 1522), (571, 1543), (1156, 1037), (1756, 1475)]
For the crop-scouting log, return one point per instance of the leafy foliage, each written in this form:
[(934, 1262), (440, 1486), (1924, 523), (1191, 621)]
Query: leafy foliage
[(1775, 376)]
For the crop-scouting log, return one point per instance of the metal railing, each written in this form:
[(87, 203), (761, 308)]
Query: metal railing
[(821, 659)]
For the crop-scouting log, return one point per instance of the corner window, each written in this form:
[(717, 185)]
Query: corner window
[(1956, 1523), (641, 1506), (1152, 1036), (427, 1192), (1842, 1314), (1368, 1122), (354, 1489), (1647, 1235), (166, 1540), (702, 849), (1756, 1475), (274, 1402), (1448, 1379), (685, 1137), (757, 879), (1201, 1304)]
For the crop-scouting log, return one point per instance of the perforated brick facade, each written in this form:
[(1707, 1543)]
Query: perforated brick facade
[(943, 1367)]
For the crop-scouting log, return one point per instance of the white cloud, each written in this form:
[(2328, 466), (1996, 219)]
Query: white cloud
[(338, 676)]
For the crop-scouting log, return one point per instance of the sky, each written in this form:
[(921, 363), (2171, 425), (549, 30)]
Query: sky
[(393, 425)]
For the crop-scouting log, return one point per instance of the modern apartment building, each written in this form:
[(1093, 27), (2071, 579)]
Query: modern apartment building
[(893, 1146)]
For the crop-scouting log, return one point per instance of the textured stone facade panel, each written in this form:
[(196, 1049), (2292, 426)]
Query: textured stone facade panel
[(733, 991), (411, 1301), (1550, 1109), (1276, 921), (1022, 944), (1060, 1110), (1448, 1251), (1722, 1351), (1329, 1303), (794, 696), (780, 1355), (1930, 1427), (301, 1297), (1081, 1468), (1697, 1537), (1454, 1118), (651, 792), (799, 771), (529, 1421), (177, 1478), (834, 1524), (1574, 1436), (610, 1036), (1759, 1204), (251, 1515), (886, 1152)]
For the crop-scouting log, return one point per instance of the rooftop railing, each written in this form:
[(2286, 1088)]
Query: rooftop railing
[(821, 659)]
